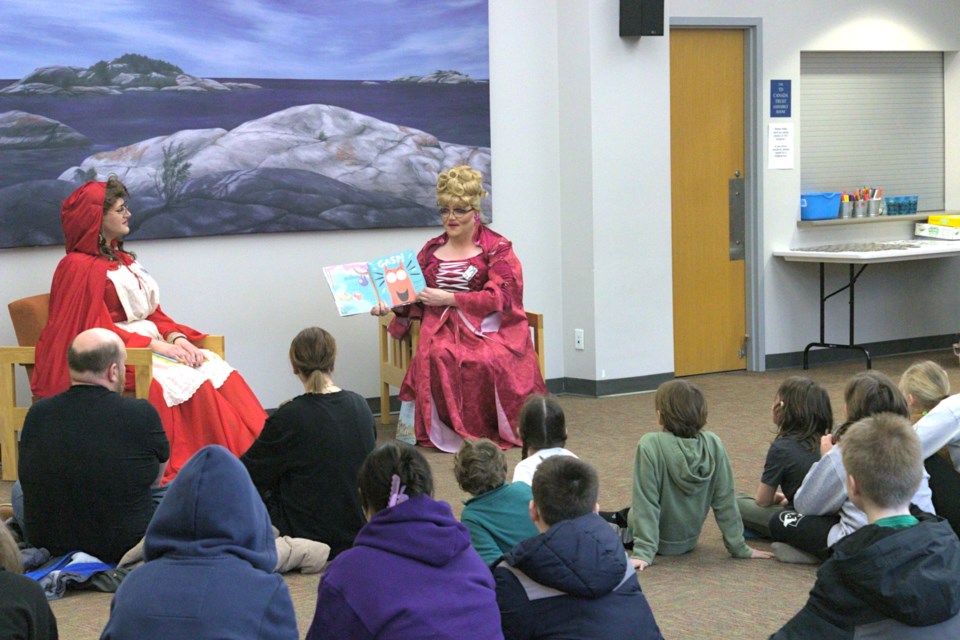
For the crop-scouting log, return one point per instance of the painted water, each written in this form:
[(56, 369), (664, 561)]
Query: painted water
[(456, 113)]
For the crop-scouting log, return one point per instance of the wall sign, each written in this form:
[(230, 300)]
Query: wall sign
[(780, 98)]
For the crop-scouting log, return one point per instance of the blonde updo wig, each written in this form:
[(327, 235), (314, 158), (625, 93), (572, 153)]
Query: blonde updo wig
[(460, 186)]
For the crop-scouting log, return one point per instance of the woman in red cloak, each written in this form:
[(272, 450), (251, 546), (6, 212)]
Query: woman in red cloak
[(200, 398), (475, 364)]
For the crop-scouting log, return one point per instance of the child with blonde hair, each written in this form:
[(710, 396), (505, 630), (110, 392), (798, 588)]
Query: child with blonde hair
[(925, 384)]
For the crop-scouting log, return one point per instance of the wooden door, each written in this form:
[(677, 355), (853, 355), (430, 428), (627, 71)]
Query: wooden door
[(707, 150)]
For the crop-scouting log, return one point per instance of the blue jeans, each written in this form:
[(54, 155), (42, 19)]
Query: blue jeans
[(16, 498)]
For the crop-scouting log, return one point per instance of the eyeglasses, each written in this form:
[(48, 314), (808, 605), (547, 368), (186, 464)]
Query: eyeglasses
[(446, 212)]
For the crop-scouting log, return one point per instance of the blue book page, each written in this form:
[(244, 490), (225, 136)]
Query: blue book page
[(397, 278), (351, 287)]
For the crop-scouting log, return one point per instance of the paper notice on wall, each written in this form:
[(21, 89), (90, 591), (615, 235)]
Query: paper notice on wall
[(780, 146)]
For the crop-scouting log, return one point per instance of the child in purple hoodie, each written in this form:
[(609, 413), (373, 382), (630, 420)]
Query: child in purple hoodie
[(411, 572)]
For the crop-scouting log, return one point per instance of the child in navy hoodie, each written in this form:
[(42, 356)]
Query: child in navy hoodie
[(210, 556), (574, 580)]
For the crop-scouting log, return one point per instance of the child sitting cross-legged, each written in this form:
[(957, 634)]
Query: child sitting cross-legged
[(679, 474), (802, 414), (898, 576), (823, 512), (573, 580), (497, 515)]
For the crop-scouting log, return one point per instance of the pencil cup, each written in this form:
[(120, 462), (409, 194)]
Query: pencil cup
[(846, 209), (859, 208), (875, 208), (912, 202), (893, 206)]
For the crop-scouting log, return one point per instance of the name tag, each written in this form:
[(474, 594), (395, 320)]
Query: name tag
[(469, 272)]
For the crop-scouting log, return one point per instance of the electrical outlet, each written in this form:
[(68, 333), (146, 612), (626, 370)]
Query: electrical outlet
[(578, 339)]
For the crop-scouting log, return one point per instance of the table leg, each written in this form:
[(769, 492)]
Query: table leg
[(850, 286)]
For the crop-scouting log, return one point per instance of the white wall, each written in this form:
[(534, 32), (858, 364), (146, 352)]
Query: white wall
[(580, 137), (893, 301), (631, 169)]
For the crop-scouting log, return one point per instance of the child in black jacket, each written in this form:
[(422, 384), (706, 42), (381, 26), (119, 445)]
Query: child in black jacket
[(899, 576)]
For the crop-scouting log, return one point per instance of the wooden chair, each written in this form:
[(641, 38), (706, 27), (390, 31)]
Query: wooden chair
[(29, 316), (395, 355)]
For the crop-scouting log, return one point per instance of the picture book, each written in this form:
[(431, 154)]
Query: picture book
[(352, 291), (395, 279)]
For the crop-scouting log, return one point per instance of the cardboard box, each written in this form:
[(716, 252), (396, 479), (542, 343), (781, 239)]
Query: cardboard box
[(945, 221), (937, 231)]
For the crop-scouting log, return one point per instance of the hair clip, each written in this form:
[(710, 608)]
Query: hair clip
[(397, 492)]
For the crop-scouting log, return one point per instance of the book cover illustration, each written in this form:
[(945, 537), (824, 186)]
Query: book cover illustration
[(352, 291), (395, 279)]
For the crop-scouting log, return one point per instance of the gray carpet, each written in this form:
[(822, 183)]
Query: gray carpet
[(703, 594)]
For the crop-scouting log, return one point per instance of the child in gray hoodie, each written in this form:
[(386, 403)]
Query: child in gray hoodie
[(679, 474)]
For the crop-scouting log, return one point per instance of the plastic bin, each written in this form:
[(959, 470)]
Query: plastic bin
[(819, 206)]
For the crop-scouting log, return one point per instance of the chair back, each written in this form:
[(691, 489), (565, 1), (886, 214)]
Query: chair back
[(29, 316)]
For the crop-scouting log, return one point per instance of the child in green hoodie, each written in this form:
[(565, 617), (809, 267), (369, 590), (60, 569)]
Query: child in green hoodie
[(679, 474)]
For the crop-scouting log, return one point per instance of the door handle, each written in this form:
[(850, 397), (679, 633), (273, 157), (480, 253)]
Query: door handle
[(736, 200)]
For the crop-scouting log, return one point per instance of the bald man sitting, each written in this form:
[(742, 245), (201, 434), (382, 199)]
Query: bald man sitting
[(90, 459)]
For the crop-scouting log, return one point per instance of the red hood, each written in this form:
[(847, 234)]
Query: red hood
[(82, 216)]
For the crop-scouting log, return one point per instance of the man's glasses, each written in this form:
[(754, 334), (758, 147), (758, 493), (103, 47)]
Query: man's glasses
[(446, 212)]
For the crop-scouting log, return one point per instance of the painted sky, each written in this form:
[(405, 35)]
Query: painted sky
[(293, 39)]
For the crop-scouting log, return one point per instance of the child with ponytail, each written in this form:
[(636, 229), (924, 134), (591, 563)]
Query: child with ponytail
[(411, 572), (543, 431)]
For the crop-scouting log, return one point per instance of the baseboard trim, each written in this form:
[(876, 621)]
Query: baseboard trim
[(572, 386), (614, 387), (794, 359)]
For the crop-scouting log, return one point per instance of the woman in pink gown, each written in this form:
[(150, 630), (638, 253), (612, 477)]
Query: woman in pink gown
[(200, 398), (475, 363)]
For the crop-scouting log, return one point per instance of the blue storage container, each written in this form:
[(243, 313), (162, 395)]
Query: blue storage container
[(819, 206)]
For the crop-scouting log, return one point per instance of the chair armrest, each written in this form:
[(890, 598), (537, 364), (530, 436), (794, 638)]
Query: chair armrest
[(535, 320), (142, 362), (11, 416), (213, 343)]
